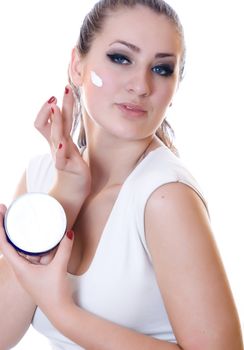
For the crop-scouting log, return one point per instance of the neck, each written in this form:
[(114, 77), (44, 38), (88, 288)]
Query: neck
[(111, 161)]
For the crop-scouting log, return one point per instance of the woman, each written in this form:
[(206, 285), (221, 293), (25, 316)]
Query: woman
[(143, 268)]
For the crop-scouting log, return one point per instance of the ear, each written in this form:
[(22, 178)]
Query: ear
[(76, 68)]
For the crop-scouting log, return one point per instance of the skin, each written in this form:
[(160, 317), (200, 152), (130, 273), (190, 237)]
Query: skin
[(199, 303), (130, 83)]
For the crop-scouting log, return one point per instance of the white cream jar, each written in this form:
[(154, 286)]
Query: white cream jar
[(35, 223)]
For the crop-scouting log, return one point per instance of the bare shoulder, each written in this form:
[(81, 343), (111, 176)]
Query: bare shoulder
[(176, 204), (189, 270), (176, 196)]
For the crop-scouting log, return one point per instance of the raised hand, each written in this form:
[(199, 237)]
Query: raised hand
[(73, 176), (55, 125)]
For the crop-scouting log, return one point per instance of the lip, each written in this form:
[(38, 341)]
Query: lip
[(131, 109)]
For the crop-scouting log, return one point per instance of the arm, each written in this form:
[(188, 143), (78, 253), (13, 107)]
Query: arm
[(72, 183), (82, 327), (71, 188), (193, 283), (57, 303), (191, 278), (189, 271), (16, 306), (95, 333)]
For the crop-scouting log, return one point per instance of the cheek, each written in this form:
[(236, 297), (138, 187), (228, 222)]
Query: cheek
[(98, 91), (103, 83), (106, 81), (161, 102), (165, 95)]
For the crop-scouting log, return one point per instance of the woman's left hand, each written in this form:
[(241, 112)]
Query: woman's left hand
[(48, 284)]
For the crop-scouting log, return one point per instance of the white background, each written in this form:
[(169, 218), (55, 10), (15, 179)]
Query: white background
[(207, 115)]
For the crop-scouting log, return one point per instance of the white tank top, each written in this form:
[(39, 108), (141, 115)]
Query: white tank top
[(120, 284)]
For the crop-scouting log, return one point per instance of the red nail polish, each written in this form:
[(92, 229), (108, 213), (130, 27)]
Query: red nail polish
[(70, 234), (52, 110), (66, 90), (51, 99), (60, 146)]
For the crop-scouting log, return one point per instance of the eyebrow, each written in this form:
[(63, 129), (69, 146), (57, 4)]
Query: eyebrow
[(137, 49)]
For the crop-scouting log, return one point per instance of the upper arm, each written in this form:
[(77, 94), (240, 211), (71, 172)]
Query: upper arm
[(189, 270)]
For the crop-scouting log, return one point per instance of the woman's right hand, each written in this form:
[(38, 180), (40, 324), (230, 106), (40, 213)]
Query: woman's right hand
[(73, 177)]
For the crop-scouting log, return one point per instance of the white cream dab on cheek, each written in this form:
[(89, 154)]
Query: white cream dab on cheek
[(96, 80)]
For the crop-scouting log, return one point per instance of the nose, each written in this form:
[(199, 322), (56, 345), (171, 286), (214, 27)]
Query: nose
[(139, 83)]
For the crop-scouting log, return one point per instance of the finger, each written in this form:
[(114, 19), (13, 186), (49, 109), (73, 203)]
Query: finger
[(67, 111), (47, 258), (33, 259), (68, 157), (3, 209), (2, 213), (39, 259), (64, 250), (42, 122), (61, 155), (57, 135)]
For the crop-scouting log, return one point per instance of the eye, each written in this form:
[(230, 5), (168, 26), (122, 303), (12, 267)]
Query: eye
[(119, 59), (164, 70)]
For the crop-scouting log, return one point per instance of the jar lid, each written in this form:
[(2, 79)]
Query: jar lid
[(35, 223)]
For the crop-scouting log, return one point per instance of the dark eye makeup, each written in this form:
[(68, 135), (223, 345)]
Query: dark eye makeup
[(118, 58), (164, 70)]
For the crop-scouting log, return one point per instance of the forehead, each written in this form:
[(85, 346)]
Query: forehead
[(142, 27)]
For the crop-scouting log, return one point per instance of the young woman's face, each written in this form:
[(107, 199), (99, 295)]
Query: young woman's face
[(131, 73)]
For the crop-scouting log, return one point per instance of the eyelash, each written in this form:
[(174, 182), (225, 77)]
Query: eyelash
[(117, 58), (166, 70)]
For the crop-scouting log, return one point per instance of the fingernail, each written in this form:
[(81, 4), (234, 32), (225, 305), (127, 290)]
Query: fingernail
[(52, 110), (66, 90), (60, 146), (51, 99), (70, 234)]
